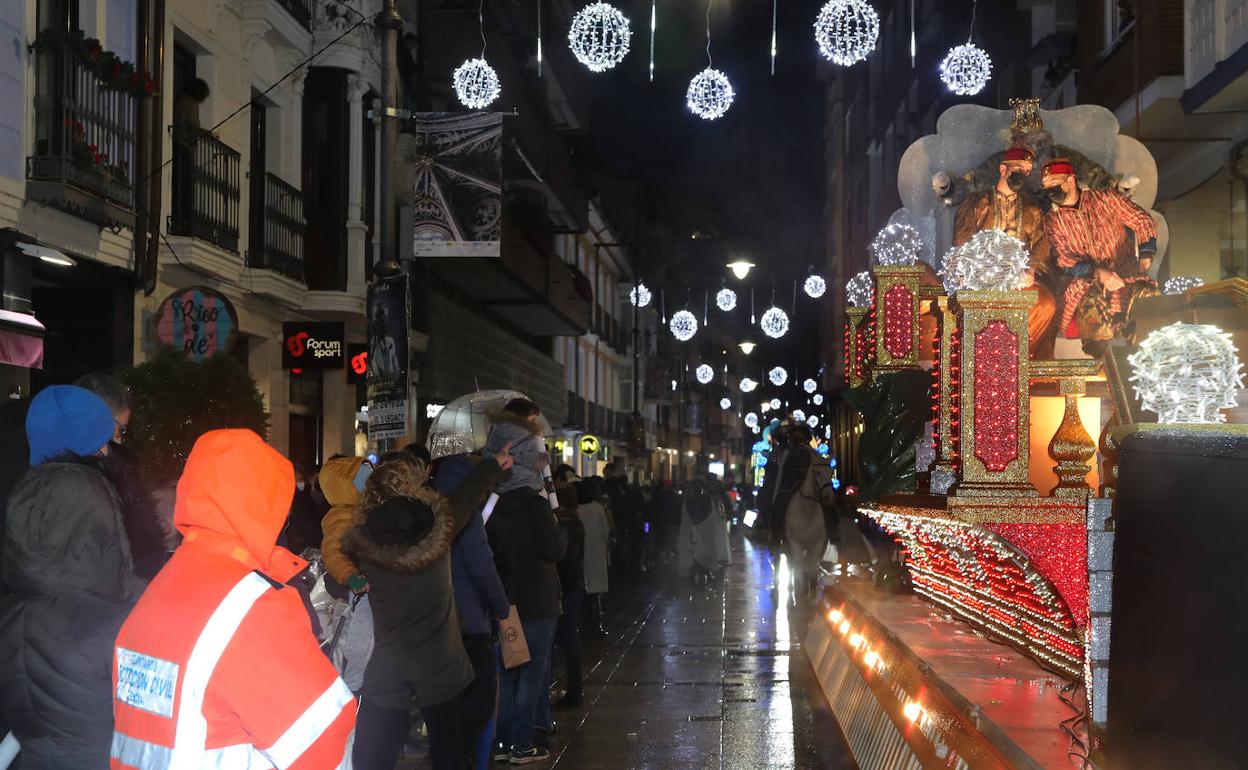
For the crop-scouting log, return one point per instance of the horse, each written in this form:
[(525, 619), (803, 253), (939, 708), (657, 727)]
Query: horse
[(805, 531)]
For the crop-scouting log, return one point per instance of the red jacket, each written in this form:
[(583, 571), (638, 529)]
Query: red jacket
[(217, 666)]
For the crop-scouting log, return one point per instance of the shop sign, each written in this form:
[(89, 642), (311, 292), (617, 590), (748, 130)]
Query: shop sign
[(198, 321), (590, 445), (313, 345), (357, 362)]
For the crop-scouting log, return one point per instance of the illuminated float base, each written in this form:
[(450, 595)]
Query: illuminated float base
[(913, 688)]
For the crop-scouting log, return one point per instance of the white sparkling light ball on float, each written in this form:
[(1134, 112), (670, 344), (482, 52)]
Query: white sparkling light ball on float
[(725, 403), (1187, 373), (747, 385), (966, 69), (860, 290), (778, 376), (817, 399), (774, 323), (1181, 283), (683, 325), (812, 421), (726, 299), (799, 415), (989, 261), (751, 420), (640, 295), (810, 386), (846, 31), (599, 36), (704, 373), (815, 286), (897, 244), (710, 94), (476, 84)]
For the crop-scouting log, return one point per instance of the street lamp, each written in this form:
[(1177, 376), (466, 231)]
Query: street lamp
[(746, 346), (740, 268)]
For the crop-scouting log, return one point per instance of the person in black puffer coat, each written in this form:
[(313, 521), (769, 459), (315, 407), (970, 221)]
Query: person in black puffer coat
[(67, 562)]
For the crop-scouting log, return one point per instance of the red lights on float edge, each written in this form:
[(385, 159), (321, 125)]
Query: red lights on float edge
[(899, 321)]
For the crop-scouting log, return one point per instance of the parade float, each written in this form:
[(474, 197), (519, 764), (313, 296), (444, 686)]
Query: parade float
[(1000, 654)]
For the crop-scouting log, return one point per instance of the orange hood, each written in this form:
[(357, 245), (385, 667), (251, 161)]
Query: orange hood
[(234, 497)]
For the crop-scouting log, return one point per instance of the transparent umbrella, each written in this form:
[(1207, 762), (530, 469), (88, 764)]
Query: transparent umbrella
[(463, 425)]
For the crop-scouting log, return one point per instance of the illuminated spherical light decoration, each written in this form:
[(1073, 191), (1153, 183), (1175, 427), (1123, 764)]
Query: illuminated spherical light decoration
[(827, 431), (989, 261), (1181, 283), (476, 84), (683, 325), (705, 373), (799, 415), (1187, 373), (640, 295), (815, 286), (775, 403), (810, 386), (860, 290), (812, 421), (897, 244), (817, 399), (774, 323), (599, 36), (778, 375), (747, 385), (966, 69), (751, 420), (725, 403), (755, 430), (710, 94), (726, 299), (846, 31)]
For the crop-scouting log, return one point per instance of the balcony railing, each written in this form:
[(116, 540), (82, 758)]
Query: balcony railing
[(300, 9), (277, 226), (83, 159), (205, 188)]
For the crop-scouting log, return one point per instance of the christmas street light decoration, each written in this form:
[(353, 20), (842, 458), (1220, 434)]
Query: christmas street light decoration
[(775, 403), (778, 376), (774, 323), (860, 290), (640, 295), (710, 94), (475, 82), (599, 36), (809, 385), (683, 325), (817, 399), (966, 69), (1187, 373), (799, 415), (726, 299), (751, 420), (846, 31), (895, 245), (814, 286), (704, 373), (989, 261), (747, 385), (812, 421), (746, 346), (725, 403), (740, 268), (1180, 284)]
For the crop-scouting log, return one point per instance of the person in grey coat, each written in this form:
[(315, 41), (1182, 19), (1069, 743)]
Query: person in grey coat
[(518, 424)]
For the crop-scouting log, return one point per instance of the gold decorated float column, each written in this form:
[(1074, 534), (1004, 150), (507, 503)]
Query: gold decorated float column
[(994, 398), (856, 344), (947, 409), (897, 304)]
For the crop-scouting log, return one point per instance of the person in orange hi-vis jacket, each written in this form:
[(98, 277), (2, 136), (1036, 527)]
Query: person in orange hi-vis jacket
[(217, 666)]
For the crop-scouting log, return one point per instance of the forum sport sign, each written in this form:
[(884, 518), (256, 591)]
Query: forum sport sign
[(313, 345)]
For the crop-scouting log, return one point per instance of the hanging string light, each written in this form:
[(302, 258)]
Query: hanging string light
[(654, 19), (846, 31), (704, 373), (778, 376), (683, 325), (774, 323), (967, 68), (539, 38), (599, 36), (814, 286), (809, 385), (726, 299), (775, 403), (799, 415), (751, 420), (475, 81), (914, 48), (710, 94), (812, 421), (817, 399), (774, 8), (747, 385), (640, 295), (725, 404)]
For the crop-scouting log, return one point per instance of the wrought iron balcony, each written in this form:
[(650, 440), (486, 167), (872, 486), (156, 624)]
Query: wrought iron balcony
[(205, 188), (83, 161), (277, 226)]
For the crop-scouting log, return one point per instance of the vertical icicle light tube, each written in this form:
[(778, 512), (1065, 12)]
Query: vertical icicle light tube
[(752, 320), (539, 38), (914, 48), (774, 6), (654, 18)]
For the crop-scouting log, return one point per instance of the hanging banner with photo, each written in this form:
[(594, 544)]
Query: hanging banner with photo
[(387, 358), (458, 204)]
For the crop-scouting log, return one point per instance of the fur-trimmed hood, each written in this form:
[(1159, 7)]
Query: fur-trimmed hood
[(405, 557)]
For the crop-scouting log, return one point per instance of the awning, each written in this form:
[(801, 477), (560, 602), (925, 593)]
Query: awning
[(21, 340)]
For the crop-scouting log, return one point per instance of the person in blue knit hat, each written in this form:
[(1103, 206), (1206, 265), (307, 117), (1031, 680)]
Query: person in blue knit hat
[(67, 419)]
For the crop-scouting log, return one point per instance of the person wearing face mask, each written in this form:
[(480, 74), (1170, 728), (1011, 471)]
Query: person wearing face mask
[(1008, 208), (1106, 270)]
